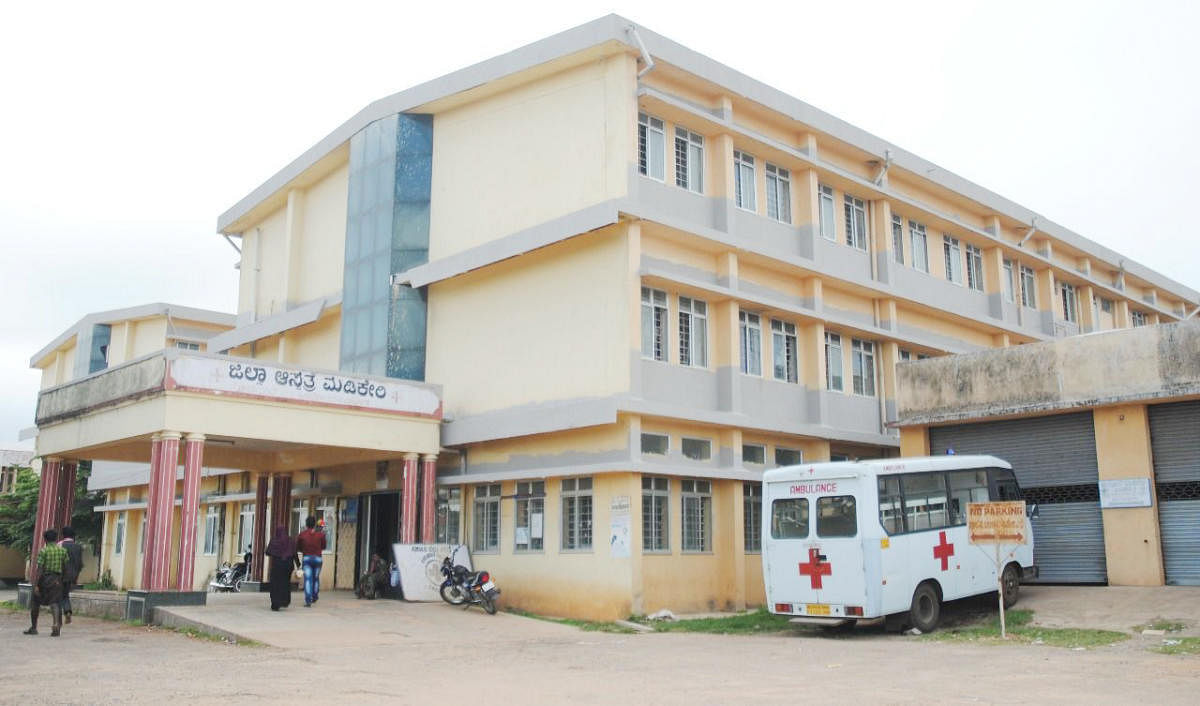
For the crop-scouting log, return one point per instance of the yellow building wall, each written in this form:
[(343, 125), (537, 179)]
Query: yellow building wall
[(320, 249), (149, 335), (528, 155), (260, 286), (520, 331), (1132, 542), (316, 345), (944, 327), (662, 248)]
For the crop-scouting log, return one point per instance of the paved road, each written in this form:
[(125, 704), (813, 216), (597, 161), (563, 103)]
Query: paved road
[(345, 651)]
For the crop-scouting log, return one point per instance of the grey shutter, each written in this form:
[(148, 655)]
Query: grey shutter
[(1175, 443)]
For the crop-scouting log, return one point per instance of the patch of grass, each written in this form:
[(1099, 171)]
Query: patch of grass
[(1180, 646), (1021, 630), (756, 623), (1160, 624), (588, 625), (10, 605)]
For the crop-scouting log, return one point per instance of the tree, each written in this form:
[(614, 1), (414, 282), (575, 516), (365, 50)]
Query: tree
[(18, 510)]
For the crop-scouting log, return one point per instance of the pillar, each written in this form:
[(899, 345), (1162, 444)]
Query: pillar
[(914, 441), (1087, 309), (281, 496), (66, 494), (158, 524), (260, 528), (1132, 538), (193, 461), (881, 239), (429, 498), (46, 507), (148, 552), (408, 513)]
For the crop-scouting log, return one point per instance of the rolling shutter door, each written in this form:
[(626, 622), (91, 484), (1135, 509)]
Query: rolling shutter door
[(1054, 459), (1175, 443)]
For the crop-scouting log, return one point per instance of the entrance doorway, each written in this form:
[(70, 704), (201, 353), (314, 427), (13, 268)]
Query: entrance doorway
[(378, 530)]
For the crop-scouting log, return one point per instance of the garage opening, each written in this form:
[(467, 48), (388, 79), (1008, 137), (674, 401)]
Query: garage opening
[(1175, 445)]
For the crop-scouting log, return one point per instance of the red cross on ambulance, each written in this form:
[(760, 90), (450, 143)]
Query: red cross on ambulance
[(943, 550), (816, 568)]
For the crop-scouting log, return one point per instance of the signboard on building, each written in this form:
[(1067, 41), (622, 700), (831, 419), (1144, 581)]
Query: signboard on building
[(997, 523), (1125, 492), (420, 567), (619, 538)]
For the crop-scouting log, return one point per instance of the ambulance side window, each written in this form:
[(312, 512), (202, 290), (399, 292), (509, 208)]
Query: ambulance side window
[(789, 518), (891, 514), (1004, 485), (966, 487), (837, 516)]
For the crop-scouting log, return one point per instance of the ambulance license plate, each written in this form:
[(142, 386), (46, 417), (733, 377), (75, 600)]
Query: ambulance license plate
[(816, 609)]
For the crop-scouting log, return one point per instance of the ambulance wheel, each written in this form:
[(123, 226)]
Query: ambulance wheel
[(926, 608), (1011, 580)]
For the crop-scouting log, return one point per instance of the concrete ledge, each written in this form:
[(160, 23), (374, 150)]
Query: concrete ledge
[(143, 605), (167, 618), (99, 604)]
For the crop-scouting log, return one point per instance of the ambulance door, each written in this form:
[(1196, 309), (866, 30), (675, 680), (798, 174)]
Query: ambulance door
[(787, 529), (834, 562)]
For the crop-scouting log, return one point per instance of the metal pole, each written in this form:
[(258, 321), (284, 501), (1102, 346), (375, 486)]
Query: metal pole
[(1000, 581)]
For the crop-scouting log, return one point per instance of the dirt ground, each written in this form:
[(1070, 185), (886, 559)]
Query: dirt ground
[(344, 651)]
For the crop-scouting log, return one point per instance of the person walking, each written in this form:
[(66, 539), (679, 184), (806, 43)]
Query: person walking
[(71, 569), (282, 551), (47, 583), (311, 543)]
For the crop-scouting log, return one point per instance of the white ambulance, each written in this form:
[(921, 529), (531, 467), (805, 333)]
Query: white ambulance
[(852, 541)]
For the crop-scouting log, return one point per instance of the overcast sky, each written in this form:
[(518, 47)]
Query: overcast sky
[(126, 129)]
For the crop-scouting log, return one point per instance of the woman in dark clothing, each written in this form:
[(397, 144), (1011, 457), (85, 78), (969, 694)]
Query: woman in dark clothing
[(282, 551)]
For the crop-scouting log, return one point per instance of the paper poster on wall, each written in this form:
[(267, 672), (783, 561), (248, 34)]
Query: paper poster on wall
[(535, 525), (420, 567), (522, 535), (1125, 492), (619, 527)]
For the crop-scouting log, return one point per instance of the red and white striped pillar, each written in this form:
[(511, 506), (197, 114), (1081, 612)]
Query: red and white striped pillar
[(47, 507), (408, 515), (66, 494), (260, 528), (148, 547), (429, 498), (159, 521), (193, 461)]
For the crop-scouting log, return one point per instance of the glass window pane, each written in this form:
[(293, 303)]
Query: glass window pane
[(837, 516)]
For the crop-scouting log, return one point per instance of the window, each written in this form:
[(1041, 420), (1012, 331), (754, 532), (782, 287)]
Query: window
[(1009, 288), (577, 513), (788, 457), (789, 518), (8, 479), (898, 239), (1106, 305), (752, 516), (487, 518), (783, 336), (974, 268), (924, 501), (891, 505), (837, 516), (531, 498), (1137, 318), (697, 512), (856, 222), (905, 355), (212, 529), (119, 534), (696, 449), (656, 444), (299, 515), (654, 324), (833, 361), (449, 515), (825, 197), (187, 345), (689, 160), (693, 332), (966, 487), (919, 245), (1070, 304), (779, 193), (743, 180), (838, 457), (751, 343), (754, 453), (327, 511), (246, 528), (862, 361), (656, 495), (652, 146), (1028, 288), (953, 253)]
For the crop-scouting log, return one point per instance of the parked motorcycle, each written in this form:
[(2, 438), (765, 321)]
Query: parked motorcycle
[(463, 586), (229, 578)]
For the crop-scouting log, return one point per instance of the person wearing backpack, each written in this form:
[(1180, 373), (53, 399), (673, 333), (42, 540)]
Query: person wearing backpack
[(71, 569)]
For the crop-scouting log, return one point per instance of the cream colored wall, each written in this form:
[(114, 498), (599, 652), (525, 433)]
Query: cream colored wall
[(261, 282), (520, 331), (316, 345), (528, 155), (318, 263), (149, 335), (945, 327), (1132, 542)]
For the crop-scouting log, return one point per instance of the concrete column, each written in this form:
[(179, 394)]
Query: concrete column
[(66, 495), (158, 524), (428, 498), (260, 528), (1132, 541), (736, 543), (1087, 309), (807, 215), (721, 184), (46, 508), (881, 239), (1121, 314), (1045, 299), (993, 281), (151, 493), (281, 501), (408, 500), (914, 441), (723, 318), (889, 355), (193, 461)]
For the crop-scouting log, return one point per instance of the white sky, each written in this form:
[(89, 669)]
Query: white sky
[(126, 129)]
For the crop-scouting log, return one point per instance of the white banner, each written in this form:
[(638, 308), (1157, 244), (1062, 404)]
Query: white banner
[(421, 567), (1125, 492), (260, 380), (619, 527)]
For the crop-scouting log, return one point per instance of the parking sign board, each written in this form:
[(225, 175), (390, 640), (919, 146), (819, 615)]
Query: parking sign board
[(997, 523)]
